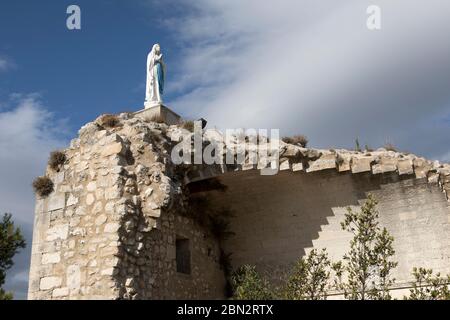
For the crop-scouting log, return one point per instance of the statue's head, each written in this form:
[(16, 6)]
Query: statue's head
[(156, 48)]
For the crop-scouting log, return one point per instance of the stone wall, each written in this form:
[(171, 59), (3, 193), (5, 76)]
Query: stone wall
[(277, 219), (109, 230)]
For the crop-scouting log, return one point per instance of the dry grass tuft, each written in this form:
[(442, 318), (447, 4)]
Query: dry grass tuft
[(390, 147), (43, 186), (56, 160), (300, 140), (109, 121), (188, 125)]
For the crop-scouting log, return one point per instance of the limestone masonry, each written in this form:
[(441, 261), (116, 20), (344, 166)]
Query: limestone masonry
[(122, 224)]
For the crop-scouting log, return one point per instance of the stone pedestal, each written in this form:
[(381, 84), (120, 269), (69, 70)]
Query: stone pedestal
[(160, 111)]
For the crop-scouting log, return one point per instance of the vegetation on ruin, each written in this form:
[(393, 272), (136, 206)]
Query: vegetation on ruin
[(309, 278), (56, 160), (367, 266), (188, 125), (429, 286), (43, 186), (368, 149), (390, 147), (363, 274), (357, 145), (299, 140), (11, 241), (248, 284), (109, 121)]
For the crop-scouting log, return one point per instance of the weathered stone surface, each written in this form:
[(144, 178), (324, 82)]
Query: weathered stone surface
[(48, 258), (58, 232), (72, 200), (90, 198), (361, 164), (297, 167), (285, 165), (56, 201), (111, 227), (112, 149), (60, 292), (101, 219), (91, 186), (323, 163), (73, 277), (50, 283), (108, 272), (127, 209), (422, 167), (112, 193), (385, 165), (405, 167)]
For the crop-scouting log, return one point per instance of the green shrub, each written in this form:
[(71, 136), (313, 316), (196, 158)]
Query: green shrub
[(368, 149), (56, 160), (43, 186), (429, 286), (247, 284), (357, 145), (309, 277), (369, 262)]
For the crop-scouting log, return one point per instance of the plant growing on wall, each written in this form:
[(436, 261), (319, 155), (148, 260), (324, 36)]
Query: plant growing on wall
[(248, 284), (429, 286), (309, 277), (365, 272)]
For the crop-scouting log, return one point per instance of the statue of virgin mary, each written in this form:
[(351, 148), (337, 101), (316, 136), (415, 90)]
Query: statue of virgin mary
[(155, 77)]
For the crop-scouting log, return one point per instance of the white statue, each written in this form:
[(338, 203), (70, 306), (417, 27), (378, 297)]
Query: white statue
[(155, 77)]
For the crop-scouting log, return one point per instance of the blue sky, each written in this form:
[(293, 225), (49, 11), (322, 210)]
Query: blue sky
[(305, 66), (80, 74)]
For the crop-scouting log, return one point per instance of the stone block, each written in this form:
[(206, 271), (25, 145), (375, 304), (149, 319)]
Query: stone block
[(405, 167), (56, 201), (113, 149), (60, 292), (73, 277), (72, 200), (361, 164), (48, 283), (49, 258), (323, 163), (297, 167), (159, 110), (111, 227), (58, 232)]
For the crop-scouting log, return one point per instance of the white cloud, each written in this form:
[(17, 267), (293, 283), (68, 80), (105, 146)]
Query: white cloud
[(313, 67), (5, 63), (28, 132)]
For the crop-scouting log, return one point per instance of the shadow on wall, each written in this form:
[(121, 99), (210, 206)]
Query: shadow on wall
[(278, 218)]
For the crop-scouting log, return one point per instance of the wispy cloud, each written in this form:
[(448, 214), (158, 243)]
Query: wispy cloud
[(28, 132), (5, 63), (312, 67)]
